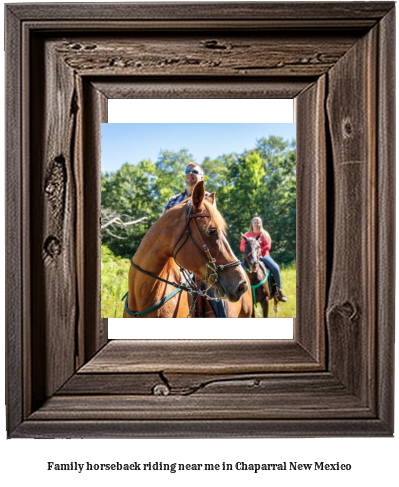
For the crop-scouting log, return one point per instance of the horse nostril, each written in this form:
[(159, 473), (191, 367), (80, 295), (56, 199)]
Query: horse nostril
[(242, 287)]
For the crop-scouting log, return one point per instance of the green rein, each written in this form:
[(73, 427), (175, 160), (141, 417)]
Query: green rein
[(259, 284), (156, 306)]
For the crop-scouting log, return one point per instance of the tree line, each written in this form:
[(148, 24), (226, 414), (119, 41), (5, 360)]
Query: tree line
[(260, 181)]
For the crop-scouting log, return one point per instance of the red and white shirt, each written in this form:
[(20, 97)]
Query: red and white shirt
[(265, 246)]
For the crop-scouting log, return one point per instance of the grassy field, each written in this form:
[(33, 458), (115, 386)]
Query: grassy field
[(288, 309), (114, 284)]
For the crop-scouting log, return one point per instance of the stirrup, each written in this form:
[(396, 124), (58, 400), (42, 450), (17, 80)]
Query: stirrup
[(281, 296)]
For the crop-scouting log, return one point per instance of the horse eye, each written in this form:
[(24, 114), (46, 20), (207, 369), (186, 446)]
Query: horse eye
[(213, 232)]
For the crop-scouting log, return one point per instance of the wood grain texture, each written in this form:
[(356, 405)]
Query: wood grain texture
[(352, 126), (385, 224), (204, 407), (277, 396), (15, 258), (310, 178), (112, 384), (53, 197), (117, 428), (95, 330), (64, 62), (242, 54), (248, 11), (316, 25), (182, 87), (185, 384), (312, 237), (200, 356)]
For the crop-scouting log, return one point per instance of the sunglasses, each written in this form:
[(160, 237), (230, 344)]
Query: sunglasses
[(194, 171)]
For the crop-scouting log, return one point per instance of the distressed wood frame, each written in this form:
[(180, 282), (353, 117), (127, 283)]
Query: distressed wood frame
[(335, 378)]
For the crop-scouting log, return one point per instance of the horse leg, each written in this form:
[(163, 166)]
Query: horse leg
[(265, 307), (243, 307)]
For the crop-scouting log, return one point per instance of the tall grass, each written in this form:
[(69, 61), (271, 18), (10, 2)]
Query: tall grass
[(288, 309), (114, 284)]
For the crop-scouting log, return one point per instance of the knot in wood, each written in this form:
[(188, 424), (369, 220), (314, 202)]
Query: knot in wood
[(347, 128), (343, 313), (52, 246), (213, 44), (161, 390), (50, 189), (90, 47)]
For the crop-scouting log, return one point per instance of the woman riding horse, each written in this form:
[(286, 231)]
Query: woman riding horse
[(259, 275), (256, 230), (189, 236)]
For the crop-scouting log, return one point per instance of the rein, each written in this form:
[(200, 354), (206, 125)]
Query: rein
[(147, 311), (267, 275), (255, 286), (212, 269)]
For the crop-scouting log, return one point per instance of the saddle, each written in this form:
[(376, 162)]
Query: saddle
[(203, 309)]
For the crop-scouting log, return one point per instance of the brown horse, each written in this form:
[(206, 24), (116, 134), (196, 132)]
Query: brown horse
[(188, 237), (258, 275)]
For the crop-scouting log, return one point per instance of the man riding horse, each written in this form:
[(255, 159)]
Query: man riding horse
[(188, 240), (192, 175)]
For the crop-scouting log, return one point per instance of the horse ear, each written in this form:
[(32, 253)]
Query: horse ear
[(198, 195), (211, 198), (243, 236)]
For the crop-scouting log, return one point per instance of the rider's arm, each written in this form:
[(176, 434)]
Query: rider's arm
[(242, 245)]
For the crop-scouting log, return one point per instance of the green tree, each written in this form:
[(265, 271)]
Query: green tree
[(261, 181), (169, 179), (278, 200), (129, 191), (216, 172)]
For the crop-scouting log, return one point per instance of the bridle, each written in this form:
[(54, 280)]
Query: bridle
[(257, 252), (190, 286), (264, 280), (212, 268)]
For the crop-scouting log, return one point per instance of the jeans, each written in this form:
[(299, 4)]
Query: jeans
[(273, 268), (218, 307)]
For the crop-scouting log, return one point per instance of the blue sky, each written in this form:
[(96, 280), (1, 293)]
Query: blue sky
[(133, 142)]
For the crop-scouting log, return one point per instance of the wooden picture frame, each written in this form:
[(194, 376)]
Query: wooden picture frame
[(335, 378)]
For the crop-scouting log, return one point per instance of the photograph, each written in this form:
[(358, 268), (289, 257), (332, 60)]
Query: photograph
[(197, 200), (198, 220)]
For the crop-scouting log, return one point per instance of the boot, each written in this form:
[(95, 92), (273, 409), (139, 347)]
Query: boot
[(281, 296)]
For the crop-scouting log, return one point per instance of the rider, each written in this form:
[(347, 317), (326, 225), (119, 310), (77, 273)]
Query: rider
[(193, 174), (256, 229)]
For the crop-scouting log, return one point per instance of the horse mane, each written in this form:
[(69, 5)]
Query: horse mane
[(216, 218)]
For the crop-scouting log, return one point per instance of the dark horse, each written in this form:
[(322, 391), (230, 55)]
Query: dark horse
[(259, 276), (189, 237)]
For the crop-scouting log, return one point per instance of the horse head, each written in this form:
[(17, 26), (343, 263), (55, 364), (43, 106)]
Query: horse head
[(252, 253), (202, 248)]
